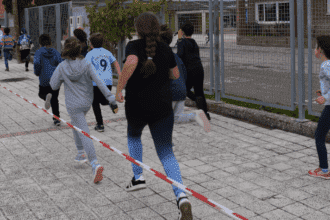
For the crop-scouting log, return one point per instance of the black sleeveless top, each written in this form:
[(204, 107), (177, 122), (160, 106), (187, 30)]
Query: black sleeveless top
[(150, 96)]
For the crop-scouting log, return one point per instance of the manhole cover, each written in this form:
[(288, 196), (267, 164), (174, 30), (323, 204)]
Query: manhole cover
[(15, 79), (261, 66)]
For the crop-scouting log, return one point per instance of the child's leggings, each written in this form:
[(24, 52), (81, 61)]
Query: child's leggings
[(178, 107), (82, 142), (7, 56), (161, 131), (322, 129)]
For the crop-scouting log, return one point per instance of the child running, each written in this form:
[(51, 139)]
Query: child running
[(25, 43), (149, 102), (188, 51), (179, 91), (78, 75), (322, 52), (46, 59), (82, 37), (101, 60), (8, 44)]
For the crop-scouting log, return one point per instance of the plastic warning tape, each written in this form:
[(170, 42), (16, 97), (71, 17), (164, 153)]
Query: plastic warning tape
[(138, 163)]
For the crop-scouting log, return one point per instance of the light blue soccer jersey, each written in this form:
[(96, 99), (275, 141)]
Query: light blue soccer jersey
[(102, 60)]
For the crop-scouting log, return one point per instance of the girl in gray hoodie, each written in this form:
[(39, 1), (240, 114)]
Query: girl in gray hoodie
[(78, 75)]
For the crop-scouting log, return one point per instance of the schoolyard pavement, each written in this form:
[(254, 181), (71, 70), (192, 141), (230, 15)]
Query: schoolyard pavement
[(253, 171)]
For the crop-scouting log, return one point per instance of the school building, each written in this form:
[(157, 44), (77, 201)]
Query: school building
[(269, 22)]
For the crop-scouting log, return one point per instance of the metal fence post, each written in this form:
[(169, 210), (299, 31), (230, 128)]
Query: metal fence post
[(41, 26), (222, 71), (58, 27), (216, 45), (293, 54), (211, 45), (70, 14), (27, 25), (301, 61)]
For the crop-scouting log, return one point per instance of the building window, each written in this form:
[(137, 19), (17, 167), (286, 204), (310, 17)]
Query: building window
[(328, 7), (270, 13)]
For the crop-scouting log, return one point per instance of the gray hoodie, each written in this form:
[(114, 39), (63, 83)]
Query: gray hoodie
[(78, 76)]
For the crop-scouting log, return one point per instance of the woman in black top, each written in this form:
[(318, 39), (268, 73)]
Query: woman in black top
[(149, 64), (188, 51)]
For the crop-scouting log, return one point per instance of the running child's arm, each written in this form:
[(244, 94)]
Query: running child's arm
[(117, 67), (37, 63), (128, 69), (56, 80), (101, 85), (325, 83), (174, 73), (180, 52)]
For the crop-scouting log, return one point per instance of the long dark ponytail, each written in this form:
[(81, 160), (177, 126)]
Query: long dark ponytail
[(147, 26)]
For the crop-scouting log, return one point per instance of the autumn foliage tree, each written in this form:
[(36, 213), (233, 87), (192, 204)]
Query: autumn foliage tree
[(116, 20)]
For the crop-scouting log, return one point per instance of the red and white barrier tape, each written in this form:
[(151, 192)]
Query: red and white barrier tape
[(156, 173)]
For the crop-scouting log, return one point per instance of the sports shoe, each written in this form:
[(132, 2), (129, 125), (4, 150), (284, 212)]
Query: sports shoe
[(319, 173), (136, 184), (208, 116), (47, 103), (80, 158), (184, 207), (202, 120), (26, 69), (99, 128), (57, 122), (97, 172), (7, 69)]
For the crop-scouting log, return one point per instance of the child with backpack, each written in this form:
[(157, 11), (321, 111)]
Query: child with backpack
[(8, 44), (46, 60), (178, 87), (101, 60), (25, 43), (322, 52), (78, 75)]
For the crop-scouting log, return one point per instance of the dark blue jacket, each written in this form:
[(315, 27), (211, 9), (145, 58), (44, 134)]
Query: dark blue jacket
[(178, 86), (45, 62)]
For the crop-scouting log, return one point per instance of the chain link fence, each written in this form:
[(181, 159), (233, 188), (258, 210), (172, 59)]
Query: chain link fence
[(48, 19)]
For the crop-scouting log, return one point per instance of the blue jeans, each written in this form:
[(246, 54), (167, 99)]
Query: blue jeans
[(161, 131), (8, 56), (322, 129)]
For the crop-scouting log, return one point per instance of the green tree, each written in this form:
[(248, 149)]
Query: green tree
[(116, 20)]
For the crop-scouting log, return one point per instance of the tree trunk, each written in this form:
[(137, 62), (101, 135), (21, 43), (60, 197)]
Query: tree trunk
[(16, 27)]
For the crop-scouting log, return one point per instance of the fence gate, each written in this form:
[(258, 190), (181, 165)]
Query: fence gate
[(50, 19)]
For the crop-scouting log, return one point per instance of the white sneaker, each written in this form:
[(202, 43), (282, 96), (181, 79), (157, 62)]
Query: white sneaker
[(47, 103), (202, 120)]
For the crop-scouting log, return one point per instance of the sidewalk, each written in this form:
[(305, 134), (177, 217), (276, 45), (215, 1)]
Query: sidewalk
[(256, 172)]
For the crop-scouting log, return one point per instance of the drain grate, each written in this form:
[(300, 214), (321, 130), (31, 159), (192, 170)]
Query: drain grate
[(15, 79), (262, 66)]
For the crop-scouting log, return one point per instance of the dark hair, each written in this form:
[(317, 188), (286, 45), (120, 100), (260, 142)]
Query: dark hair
[(188, 28), (6, 30), (81, 35), (72, 49), (166, 34), (147, 26), (45, 40), (96, 40), (323, 42)]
